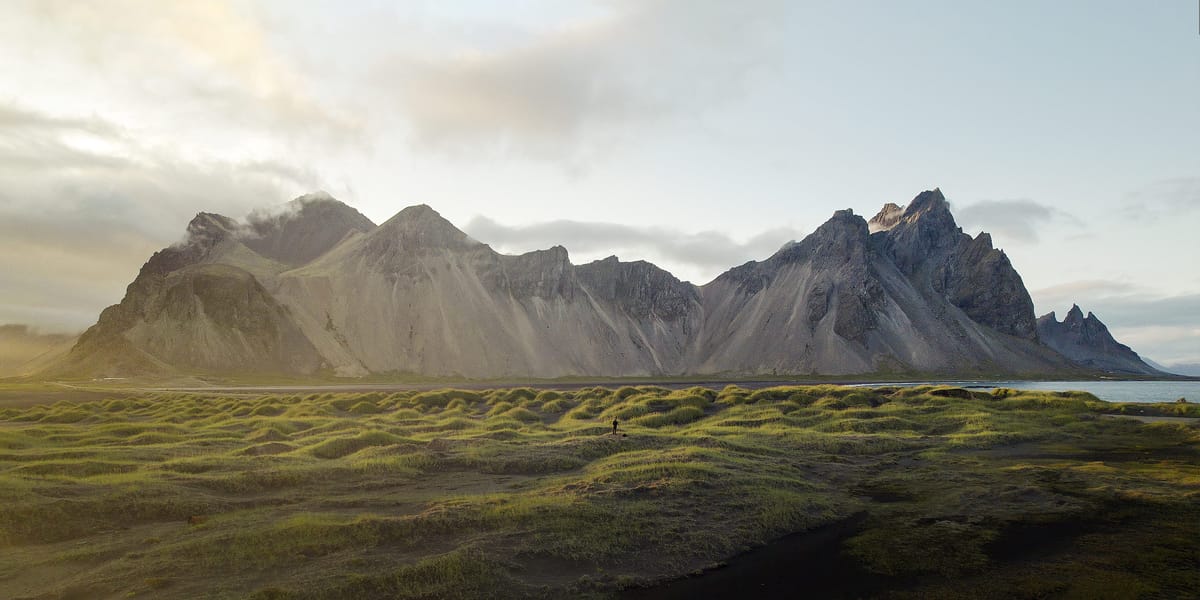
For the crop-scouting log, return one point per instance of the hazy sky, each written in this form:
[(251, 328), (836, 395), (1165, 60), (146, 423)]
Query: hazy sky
[(693, 134)]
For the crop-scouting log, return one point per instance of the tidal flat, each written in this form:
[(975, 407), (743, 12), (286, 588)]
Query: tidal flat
[(827, 491)]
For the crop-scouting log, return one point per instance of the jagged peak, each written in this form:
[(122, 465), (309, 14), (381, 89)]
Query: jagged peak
[(842, 220), (416, 209), (204, 232), (843, 231), (316, 197), (418, 215), (293, 207), (206, 228), (1075, 314), (316, 205), (925, 224), (615, 261), (556, 252), (298, 231), (422, 226), (1074, 317), (207, 220), (886, 218), (1087, 341), (929, 201), (321, 201)]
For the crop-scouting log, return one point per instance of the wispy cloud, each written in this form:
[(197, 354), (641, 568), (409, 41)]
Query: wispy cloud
[(1018, 219), (1168, 198), (82, 206), (558, 94), (1164, 344), (1165, 328), (212, 59), (706, 253)]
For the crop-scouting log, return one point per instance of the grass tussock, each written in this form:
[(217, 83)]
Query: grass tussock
[(524, 492)]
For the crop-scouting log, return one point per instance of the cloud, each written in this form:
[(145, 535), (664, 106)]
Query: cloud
[(1017, 219), (1073, 292), (1168, 198), (562, 92), (1184, 368), (212, 59), (1165, 328), (1122, 303), (1173, 345), (82, 206), (706, 253)]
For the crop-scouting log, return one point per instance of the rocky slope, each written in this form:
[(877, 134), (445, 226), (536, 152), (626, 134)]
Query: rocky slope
[(319, 288), (1087, 341), (307, 228), (418, 295), (845, 300)]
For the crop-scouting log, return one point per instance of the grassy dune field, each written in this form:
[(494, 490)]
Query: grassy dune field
[(932, 492)]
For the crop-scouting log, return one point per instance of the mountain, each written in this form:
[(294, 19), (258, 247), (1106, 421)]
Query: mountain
[(1087, 341), (305, 229), (201, 306), (917, 294), (1185, 369), (418, 295), (316, 287)]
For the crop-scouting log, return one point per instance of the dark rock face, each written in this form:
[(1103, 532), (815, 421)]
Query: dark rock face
[(181, 313), (980, 280), (204, 233), (542, 273), (917, 294), (225, 318), (307, 228), (1087, 341), (641, 289), (927, 245), (924, 235), (840, 248), (247, 330), (840, 244)]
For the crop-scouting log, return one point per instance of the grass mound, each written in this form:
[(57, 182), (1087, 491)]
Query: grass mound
[(935, 492)]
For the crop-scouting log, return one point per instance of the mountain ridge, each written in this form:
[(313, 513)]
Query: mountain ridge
[(317, 287), (1087, 341)]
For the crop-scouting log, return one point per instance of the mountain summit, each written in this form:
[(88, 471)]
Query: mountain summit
[(303, 229), (1088, 342), (316, 287)]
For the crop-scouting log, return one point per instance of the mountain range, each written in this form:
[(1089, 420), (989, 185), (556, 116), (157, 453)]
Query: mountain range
[(317, 288)]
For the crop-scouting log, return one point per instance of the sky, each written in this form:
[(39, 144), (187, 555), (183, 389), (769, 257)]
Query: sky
[(694, 134)]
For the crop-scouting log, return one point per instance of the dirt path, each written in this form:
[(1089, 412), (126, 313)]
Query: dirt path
[(1184, 420)]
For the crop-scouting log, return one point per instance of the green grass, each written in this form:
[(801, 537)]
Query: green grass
[(516, 491)]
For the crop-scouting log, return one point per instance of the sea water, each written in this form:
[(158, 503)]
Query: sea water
[(1112, 391)]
